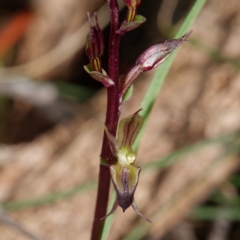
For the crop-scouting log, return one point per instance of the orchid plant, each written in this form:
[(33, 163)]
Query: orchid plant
[(117, 155)]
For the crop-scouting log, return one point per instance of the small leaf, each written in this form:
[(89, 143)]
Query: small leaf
[(127, 95), (128, 129), (112, 142), (100, 77), (128, 26)]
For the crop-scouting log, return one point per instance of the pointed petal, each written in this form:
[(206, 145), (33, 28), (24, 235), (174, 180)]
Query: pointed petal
[(125, 180), (112, 142), (114, 207), (128, 129), (135, 207)]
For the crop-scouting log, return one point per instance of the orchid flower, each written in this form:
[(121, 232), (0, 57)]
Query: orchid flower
[(124, 174)]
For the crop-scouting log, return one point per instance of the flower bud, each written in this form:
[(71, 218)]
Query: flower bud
[(127, 26), (157, 53), (95, 44), (132, 9), (132, 3)]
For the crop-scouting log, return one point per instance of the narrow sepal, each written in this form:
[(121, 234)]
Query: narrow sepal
[(112, 142), (128, 129), (125, 180), (114, 207), (128, 26), (157, 53), (135, 207), (100, 77)]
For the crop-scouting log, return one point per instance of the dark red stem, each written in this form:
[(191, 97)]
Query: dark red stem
[(111, 122)]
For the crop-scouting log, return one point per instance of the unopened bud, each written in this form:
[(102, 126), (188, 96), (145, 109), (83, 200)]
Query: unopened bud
[(157, 53), (95, 44), (132, 9)]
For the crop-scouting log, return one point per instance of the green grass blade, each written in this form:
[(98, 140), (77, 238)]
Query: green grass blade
[(74, 92), (48, 199), (179, 155), (235, 180), (211, 213), (163, 70)]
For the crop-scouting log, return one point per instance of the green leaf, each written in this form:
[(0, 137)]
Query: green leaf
[(211, 213), (179, 155), (235, 180), (48, 199), (73, 91)]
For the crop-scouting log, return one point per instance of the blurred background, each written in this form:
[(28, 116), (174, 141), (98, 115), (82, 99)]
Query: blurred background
[(52, 115)]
